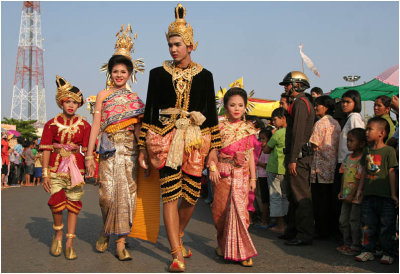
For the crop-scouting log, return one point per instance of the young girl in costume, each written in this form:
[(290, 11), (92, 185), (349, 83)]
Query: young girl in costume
[(63, 138), (233, 176)]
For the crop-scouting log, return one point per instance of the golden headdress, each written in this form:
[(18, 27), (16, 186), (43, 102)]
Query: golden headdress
[(124, 47), (181, 28), (219, 97), (124, 44), (66, 90)]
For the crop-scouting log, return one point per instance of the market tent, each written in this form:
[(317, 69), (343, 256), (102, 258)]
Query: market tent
[(386, 83)]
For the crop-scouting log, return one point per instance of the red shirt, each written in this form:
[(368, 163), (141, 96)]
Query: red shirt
[(61, 130), (4, 152)]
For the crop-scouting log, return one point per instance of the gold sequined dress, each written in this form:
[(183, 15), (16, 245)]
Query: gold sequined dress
[(118, 173)]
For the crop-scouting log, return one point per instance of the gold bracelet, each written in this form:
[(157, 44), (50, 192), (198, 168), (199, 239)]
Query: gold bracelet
[(96, 111), (253, 179), (213, 168), (89, 157), (44, 173)]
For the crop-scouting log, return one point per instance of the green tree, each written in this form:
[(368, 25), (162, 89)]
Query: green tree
[(26, 128)]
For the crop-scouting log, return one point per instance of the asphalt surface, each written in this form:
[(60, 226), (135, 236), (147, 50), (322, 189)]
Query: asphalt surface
[(26, 234)]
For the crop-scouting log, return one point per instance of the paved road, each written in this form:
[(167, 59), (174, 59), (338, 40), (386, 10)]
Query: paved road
[(26, 234)]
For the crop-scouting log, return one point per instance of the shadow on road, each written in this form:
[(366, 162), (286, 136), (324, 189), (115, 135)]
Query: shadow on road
[(41, 229), (324, 251)]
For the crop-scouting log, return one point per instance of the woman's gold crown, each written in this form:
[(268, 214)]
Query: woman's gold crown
[(124, 44)]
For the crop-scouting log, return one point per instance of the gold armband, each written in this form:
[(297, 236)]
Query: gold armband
[(89, 157)]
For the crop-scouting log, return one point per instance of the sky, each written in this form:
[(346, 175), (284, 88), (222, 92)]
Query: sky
[(254, 40)]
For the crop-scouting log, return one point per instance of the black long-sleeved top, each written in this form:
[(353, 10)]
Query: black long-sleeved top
[(299, 128), (161, 94)]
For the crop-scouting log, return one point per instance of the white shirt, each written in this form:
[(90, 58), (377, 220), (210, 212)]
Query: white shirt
[(354, 120)]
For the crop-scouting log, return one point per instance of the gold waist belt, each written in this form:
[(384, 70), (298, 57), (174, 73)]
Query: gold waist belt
[(64, 153), (115, 127), (119, 137)]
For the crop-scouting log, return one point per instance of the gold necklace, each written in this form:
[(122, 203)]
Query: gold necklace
[(72, 129)]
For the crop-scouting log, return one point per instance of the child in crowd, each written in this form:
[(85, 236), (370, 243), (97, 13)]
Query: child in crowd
[(351, 208), (262, 182), (29, 162), (382, 109), (18, 161), (276, 170), (351, 107), (38, 168), (378, 189)]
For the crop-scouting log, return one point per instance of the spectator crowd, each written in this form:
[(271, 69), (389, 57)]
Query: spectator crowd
[(326, 173)]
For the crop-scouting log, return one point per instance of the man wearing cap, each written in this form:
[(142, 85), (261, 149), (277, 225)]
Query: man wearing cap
[(298, 158)]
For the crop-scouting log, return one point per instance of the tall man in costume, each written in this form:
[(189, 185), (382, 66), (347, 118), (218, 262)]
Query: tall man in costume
[(179, 129), (298, 158), (62, 138)]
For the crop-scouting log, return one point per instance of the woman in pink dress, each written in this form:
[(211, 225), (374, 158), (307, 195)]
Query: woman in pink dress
[(233, 176)]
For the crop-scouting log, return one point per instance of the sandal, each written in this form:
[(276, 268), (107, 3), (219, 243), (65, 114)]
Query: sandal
[(247, 263), (122, 255), (102, 243), (187, 253), (218, 250), (56, 245), (70, 253), (176, 265)]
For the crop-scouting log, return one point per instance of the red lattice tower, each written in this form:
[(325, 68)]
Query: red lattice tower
[(28, 101)]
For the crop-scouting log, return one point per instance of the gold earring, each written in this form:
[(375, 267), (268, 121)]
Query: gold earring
[(110, 83)]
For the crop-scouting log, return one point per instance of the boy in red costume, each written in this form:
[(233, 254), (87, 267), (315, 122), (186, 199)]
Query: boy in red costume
[(63, 163)]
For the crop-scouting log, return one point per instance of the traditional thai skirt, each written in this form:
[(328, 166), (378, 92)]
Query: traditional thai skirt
[(185, 180), (118, 183)]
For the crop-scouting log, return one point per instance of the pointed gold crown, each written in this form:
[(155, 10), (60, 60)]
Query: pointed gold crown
[(124, 44), (181, 28), (64, 91)]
